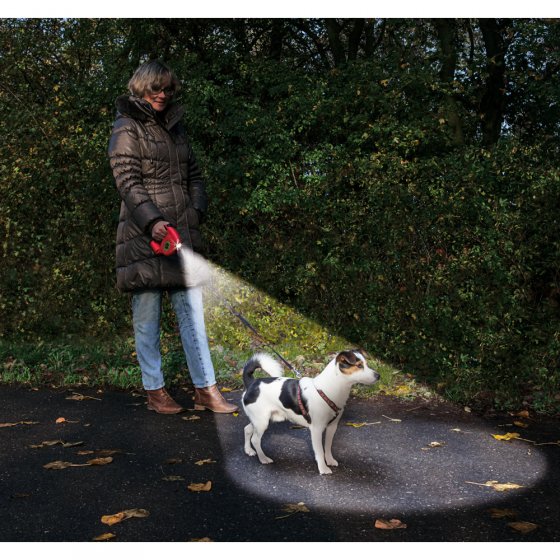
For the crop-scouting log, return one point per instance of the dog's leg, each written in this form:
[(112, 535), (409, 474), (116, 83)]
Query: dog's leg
[(329, 435), (248, 433), (258, 430), (317, 443)]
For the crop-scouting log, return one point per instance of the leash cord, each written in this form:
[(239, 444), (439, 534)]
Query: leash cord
[(253, 330)]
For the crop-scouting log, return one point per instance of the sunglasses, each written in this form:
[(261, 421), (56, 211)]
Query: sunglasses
[(169, 91)]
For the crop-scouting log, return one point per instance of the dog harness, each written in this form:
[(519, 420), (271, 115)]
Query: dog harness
[(305, 412)]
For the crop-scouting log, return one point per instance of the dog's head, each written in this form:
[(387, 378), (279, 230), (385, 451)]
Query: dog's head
[(353, 364)]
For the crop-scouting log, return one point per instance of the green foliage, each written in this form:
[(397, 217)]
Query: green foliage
[(338, 186)]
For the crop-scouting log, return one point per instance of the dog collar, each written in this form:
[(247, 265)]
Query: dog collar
[(330, 403)]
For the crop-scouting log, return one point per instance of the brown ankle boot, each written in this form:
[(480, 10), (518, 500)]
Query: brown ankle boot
[(212, 399), (160, 401)]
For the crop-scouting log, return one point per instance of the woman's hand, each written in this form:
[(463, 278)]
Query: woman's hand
[(159, 230)]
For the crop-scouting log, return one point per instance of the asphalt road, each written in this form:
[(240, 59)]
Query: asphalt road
[(422, 463)]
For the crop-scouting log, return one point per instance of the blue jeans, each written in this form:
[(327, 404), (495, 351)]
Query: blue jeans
[(146, 318)]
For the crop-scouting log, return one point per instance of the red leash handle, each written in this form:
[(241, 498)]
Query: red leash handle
[(169, 244)]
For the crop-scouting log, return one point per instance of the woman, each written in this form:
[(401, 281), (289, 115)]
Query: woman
[(160, 184)]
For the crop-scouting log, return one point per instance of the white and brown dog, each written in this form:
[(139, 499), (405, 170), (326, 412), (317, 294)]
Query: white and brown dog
[(316, 403)]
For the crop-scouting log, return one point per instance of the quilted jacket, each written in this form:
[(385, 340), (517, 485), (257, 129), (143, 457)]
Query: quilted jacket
[(158, 179)]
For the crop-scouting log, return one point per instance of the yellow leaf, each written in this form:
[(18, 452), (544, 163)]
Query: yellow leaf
[(226, 390), (200, 486), (113, 519), (204, 462), (389, 525), (523, 526), (122, 515), (499, 487), (522, 414), (105, 537), (520, 424), (506, 437), (356, 424)]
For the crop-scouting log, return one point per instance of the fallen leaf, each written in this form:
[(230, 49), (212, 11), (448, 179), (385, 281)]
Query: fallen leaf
[(506, 437), (12, 424), (204, 462), (122, 515), (60, 420), (104, 537), (100, 461), (58, 465), (290, 509), (500, 487), (389, 525), (173, 478), (356, 424), (522, 414), (80, 397), (173, 461), (200, 486), (72, 443), (108, 452), (50, 443), (203, 539), (190, 418), (497, 513), (226, 390), (520, 424), (523, 526), (436, 444), (392, 419)]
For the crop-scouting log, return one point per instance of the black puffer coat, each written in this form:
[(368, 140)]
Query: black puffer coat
[(158, 179)]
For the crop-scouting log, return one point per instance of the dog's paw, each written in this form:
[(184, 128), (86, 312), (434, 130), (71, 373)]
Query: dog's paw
[(265, 460), (325, 470), (250, 452), (332, 462)]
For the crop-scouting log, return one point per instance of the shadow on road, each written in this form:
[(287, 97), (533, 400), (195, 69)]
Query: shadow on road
[(388, 469)]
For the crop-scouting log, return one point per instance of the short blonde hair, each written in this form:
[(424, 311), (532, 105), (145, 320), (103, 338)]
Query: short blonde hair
[(150, 77)]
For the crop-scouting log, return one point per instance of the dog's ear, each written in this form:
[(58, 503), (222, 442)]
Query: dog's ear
[(346, 359), (362, 352)]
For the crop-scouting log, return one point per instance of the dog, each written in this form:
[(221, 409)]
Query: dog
[(315, 403)]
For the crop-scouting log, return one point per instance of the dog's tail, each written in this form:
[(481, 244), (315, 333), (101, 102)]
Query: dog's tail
[(263, 361)]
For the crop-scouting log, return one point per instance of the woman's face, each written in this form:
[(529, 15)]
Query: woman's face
[(159, 99)]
